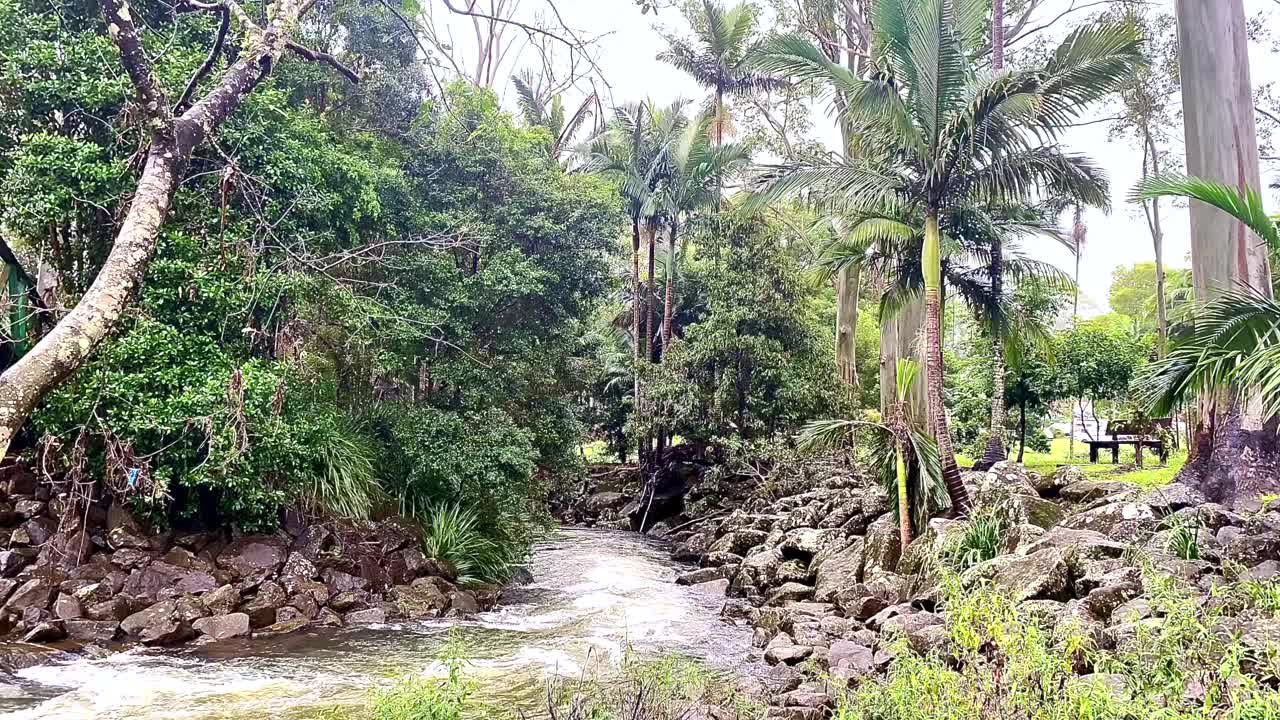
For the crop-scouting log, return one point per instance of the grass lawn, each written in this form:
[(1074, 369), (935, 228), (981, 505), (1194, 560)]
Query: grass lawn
[(1153, 475)]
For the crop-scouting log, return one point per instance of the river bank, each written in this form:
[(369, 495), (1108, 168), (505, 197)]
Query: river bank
[(1094, 580)]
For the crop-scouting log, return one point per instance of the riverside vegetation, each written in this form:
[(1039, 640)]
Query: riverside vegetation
[(317, 319)]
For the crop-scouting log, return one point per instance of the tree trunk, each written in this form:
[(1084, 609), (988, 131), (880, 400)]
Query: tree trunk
[(1022, 430), (173, 140), (997, 35), (904, 499), (667, 310), (847, 328), (1157, 240), (995, 451), (900, 339), (932, 268), (651, 297), (1234, 457)]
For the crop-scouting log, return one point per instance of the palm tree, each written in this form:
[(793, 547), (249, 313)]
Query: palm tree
[(1235, 340), (549, 112), (694, 167), (949, 136), (719, 56), (899, 451)]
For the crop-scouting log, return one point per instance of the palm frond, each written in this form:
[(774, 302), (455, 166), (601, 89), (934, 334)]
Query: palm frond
[(1246, 207)]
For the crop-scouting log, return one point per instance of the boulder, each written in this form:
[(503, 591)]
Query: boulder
[(838, 570), (782, 650), (738, 542), (45, 632), (222, 600), (1042, 575), (223, 627), (12, 562), (262, 608), (67, 607), (253, 557), (1115, 519), (36, 592), (602, 501), (702, 575), (349, 600), (298, 567), (339, 582), (87, 631), (789, 592), (371, 616), (692, 548), (123, 531), (284, 627), (158, 625), (924, 631), (1081, 545), (116, 609), (850, 660), (415, 562), (883, 547), (463, 603), (1088, 490), (1172, 497), (420, 600), (1251, 550)]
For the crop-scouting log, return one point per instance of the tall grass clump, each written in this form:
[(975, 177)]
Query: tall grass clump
[(343, 481), (455, 535), (428, 698), (673, 687)]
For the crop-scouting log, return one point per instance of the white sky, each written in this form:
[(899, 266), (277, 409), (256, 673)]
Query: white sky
[(627, 59)]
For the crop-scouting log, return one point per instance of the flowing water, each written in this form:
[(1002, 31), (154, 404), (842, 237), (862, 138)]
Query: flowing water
[(596, 595)]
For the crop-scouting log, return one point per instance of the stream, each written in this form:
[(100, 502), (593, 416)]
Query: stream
[(596, 594)]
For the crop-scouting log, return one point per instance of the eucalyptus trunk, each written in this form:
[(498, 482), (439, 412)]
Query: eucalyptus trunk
[(848, 281), (1235, 457), (900, 340), (932, 266)]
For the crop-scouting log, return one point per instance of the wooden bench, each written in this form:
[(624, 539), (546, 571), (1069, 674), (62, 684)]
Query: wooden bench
[(1123, 432)]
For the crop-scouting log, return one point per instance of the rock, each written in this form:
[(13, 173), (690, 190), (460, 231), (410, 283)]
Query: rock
[(349, 600), (288, 613), (16, 656), (223, 627), (339, 582), (1174, 496), (328, 618), (29, 508), (284, 627), (602, 501), (738, 542), (100, 631), (860, 602), (222, 600), (123, 531), (12, 562), (371, 616), (838, 571), (808, 698), (130, 558), (415, 562), (1040, 575), (692, 548), (1087, 490), (1081, 545), (850, 660), (883, 547), (44, 632), (262, 608), (376, 575), (253, 556), (1266, 570), (924, 631), (196, 582), (116, 609), (1038, 512), (1116, 519), (39, 530), (1251, 550), (420, 600), (151, 581), (305, 604), (789, 592), (463, 603), (158, 625), (721, 559), (782, 650), (702, 575), (37, 592), (67, 607), (298, 567)]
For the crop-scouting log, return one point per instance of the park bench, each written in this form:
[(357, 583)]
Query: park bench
[(1123, 432)]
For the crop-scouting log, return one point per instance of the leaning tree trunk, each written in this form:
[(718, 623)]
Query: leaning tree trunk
[(932, 267), (1235, 457), (173, 139)]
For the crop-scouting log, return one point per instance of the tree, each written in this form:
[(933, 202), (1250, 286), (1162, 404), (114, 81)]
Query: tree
[(718, 57), (694, 167), (1097, 359), (1136, 292), (1234, 449), (175, 128), (947, 135), (995, 450), (539, 110)]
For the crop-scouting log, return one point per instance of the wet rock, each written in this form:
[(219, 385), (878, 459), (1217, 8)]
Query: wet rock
[(463, 603), (349, 600), (371, 616), (702, 575), (305, 604), (283, 628), (158, 625), (16, 656), (328, 618), (262, 608), (223, 627), (100, 631), (420, 600), (49, 631), (883, 547)]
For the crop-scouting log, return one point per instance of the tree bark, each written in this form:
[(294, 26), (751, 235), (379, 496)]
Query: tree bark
[(172, 141), (637, 306), (1234, 456), (847, 328), (1157, 240), (651, 297), (899, 339), (1022, 430), (995, 451), (932, 266), (667, 310)]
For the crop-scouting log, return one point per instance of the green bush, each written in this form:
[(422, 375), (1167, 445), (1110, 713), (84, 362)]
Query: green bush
[(427, 698), (454, 535)]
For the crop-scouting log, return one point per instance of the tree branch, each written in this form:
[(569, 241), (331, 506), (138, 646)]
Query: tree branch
[(125, 36), (326, 58), (1266, 114), (224, 25)]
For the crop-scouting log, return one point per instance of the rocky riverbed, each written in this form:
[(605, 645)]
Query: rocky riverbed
[(97, 582), (821, 575)]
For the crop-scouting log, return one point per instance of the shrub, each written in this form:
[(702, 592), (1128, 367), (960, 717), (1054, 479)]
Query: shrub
[(453, 534), (428, 698), (669, 688)]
